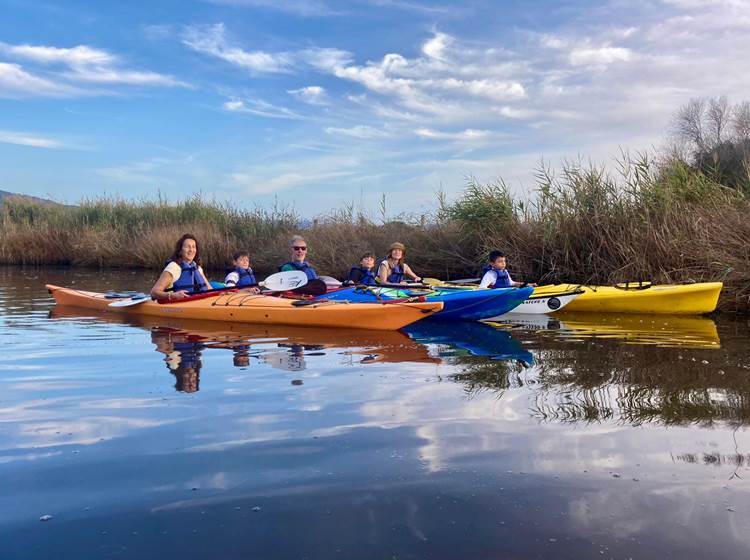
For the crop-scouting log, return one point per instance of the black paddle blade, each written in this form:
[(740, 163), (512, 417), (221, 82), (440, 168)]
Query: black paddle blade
[(312, 288)]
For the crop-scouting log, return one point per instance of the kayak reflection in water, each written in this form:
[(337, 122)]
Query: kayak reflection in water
[(183, 356)]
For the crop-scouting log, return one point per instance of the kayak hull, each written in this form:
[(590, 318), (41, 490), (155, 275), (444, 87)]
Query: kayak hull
[(261, 309), (542, 304), (671, 299), (463, 305)]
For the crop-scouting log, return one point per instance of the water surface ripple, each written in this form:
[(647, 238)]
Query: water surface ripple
[(565, 437)]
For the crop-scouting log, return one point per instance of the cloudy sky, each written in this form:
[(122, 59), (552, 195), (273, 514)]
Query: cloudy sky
[(318, 103)]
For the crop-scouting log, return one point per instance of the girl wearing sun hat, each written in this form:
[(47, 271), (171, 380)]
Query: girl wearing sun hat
[(393, 269)]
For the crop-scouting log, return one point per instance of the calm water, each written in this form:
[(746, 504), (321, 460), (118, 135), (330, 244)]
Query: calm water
[(578, 437)]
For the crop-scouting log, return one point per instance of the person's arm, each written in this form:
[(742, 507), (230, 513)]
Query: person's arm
[(383, 272), (232, 279), (488, 279), (159, 290), (205, 278), (410, 273)]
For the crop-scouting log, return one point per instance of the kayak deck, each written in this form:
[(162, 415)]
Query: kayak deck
[(244, 307), (670, 299)]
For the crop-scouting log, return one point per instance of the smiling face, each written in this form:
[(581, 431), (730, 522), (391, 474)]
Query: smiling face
[(189, 250), (242, 262), (299, 251), (397, 254)]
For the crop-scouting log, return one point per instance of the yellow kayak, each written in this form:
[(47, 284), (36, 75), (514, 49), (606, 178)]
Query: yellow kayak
[(239, 306), (672, 299)]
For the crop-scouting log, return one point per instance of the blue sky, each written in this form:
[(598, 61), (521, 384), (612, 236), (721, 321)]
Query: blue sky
[(316, 104)]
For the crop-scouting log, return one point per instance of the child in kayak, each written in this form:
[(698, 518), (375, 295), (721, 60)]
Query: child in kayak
[(393, 269), (240, 274), (494, 274), (183, 274), (364, 273), (298, 247)]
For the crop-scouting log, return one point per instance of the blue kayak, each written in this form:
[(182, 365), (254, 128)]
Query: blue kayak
[(464, 305)]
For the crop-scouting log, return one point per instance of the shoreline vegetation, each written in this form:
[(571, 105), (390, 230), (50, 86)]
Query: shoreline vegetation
[(665, 222)]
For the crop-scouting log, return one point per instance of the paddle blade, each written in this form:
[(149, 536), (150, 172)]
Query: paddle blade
[(313, 288), (135, 300), (284, 281), (330, 281)]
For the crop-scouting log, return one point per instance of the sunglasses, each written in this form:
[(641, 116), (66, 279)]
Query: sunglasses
[(300, 248)]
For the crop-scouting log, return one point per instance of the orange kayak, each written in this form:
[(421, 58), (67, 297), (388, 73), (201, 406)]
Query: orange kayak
[(239, 306)]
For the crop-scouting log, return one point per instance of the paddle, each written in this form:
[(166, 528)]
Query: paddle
[(278, 282), (330, 281), (314, 287)]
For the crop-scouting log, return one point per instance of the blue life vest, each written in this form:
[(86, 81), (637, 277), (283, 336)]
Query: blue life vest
[(304, 267), (190, 279), (502, 277), (360, 275), (247, 276), (397, 274)]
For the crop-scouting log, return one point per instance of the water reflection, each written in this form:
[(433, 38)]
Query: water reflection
[(463, 443), (657, 330)]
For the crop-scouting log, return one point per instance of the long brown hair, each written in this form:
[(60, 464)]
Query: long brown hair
[(177, 255)]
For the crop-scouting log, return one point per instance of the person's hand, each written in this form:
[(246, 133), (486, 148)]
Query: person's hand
[(533, 285), (182, 294), (254, 290), (418, 279)]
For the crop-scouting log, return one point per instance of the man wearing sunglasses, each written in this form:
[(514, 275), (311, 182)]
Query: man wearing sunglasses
[(298, 248)]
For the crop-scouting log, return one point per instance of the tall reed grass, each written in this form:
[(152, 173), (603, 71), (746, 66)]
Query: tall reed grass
[(660, 221)]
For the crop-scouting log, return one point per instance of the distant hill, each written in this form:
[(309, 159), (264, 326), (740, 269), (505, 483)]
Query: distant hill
[(6, 194)]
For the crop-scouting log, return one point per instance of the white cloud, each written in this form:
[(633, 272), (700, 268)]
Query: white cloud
[(85, 64), (211, 40), (436, 47), (75, 56), (468, 134), (260, 108), (313, 95), (31, 140), (16, 82), (359, 131), (602, 56)]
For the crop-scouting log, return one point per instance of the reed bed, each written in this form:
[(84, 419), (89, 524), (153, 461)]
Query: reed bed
[(659, 221)]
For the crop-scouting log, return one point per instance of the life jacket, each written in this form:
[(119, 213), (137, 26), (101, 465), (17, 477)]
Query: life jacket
[(247, 276), (397, 273), (502, 278), (304, 267), (360, 275), (190, 279)]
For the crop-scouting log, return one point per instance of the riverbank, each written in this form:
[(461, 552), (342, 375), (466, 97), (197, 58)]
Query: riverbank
[(663, 222)]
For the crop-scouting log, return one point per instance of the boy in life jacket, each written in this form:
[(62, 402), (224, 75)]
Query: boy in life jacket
[(298, 247), (494, 274), (393, 270), (240, 274), (364, 273)]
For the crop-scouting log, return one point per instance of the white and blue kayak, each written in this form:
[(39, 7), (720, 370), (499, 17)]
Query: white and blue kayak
[(464, 305)]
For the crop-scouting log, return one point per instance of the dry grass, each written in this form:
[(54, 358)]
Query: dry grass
[(663, 222)]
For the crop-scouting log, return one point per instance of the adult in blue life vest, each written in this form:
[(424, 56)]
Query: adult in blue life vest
[(240, 274), (364, 273), (298, 249), (183, 274), (495, 275), (393, 269)]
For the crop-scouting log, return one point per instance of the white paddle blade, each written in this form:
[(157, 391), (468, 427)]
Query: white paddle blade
[(283, 281), (330, 281), (135, 300)]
